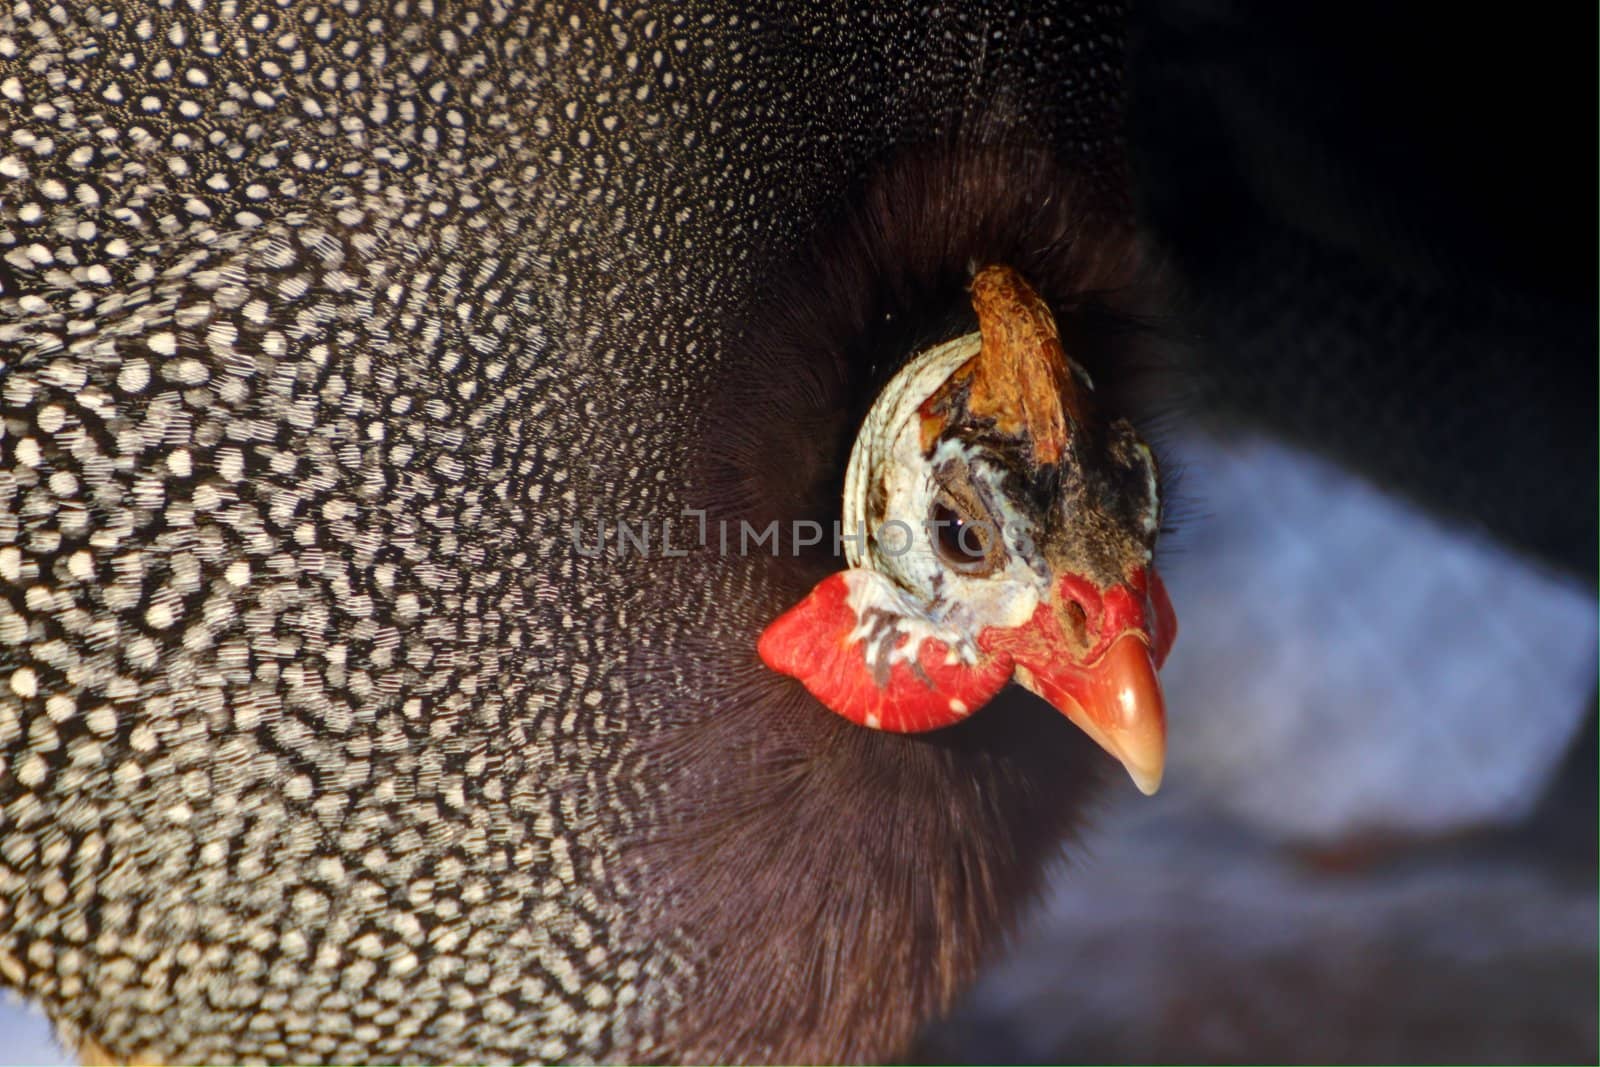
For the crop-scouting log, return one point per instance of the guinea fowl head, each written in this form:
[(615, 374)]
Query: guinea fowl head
[(999, 526)]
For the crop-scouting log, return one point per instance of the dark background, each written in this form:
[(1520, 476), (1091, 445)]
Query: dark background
[(1383, 219)]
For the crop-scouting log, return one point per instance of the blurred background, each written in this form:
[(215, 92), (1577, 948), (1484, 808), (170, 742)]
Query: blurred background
[(1377, 838)]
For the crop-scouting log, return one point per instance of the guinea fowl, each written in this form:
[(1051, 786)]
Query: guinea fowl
[(326, 327), (323, 326)]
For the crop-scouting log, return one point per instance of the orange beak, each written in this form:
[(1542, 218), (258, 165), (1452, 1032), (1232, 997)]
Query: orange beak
[(1093, 656)]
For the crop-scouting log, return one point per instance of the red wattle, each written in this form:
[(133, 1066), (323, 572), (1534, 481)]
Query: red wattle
[(812, 642)]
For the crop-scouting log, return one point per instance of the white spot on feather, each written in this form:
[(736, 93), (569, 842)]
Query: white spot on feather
[(24, 682)]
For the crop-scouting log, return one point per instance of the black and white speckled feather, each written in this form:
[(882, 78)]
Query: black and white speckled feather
[(320, 326)]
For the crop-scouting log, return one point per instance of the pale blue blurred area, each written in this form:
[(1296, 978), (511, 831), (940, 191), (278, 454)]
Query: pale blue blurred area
[(25, 1036), (1347, 665)]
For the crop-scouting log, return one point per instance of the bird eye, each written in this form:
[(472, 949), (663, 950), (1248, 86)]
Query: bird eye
[(964, 544)]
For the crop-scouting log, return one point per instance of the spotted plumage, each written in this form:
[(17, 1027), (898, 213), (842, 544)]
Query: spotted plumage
[(321, 325)]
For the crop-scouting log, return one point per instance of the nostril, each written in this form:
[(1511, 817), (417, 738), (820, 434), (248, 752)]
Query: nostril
[(1075, 619)]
